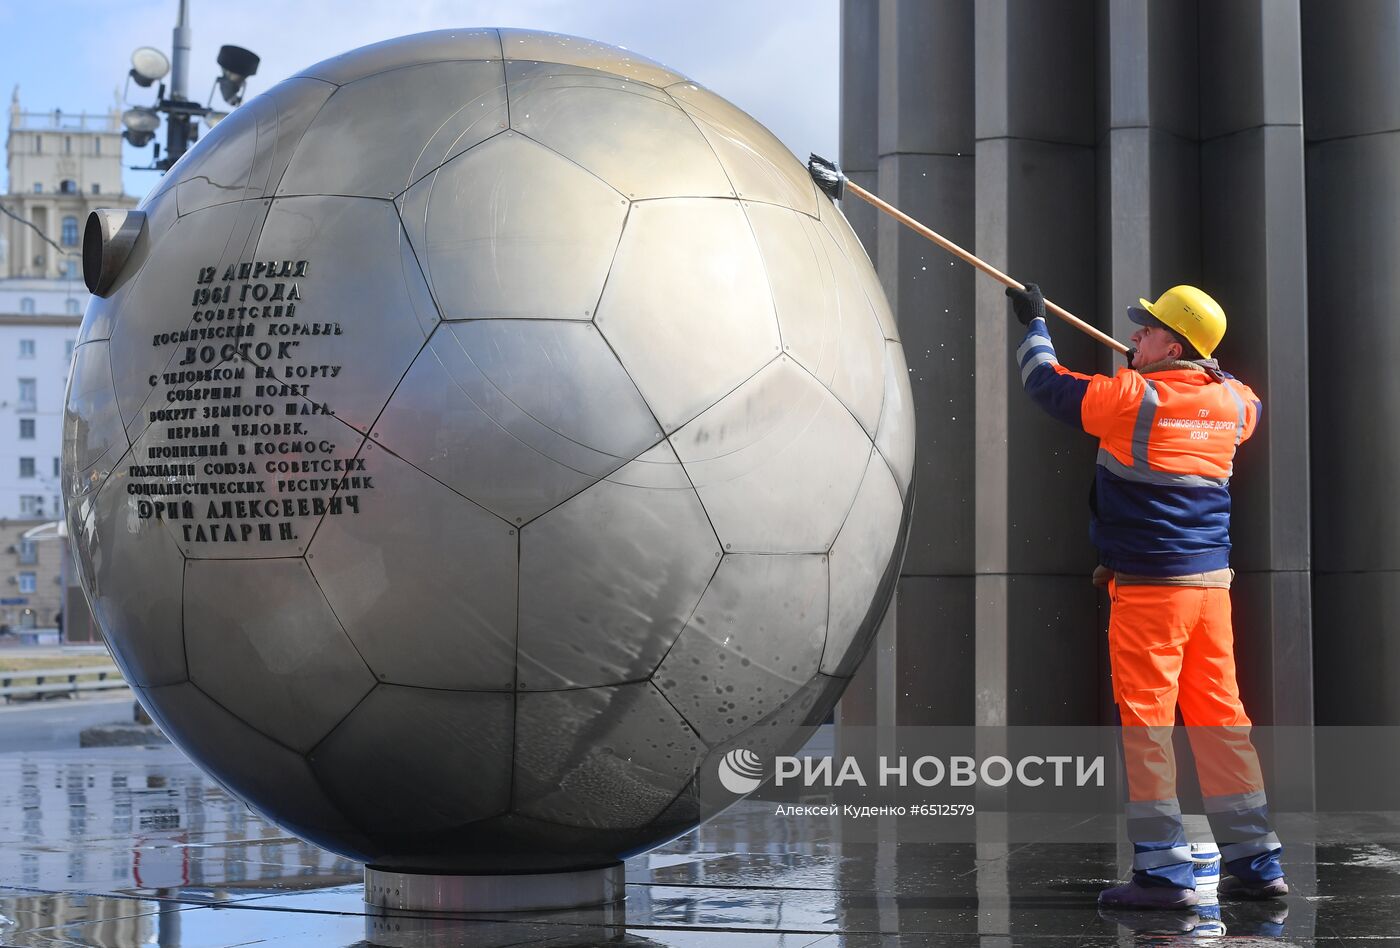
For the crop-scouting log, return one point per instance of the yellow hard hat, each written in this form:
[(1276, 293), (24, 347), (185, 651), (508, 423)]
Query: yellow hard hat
[(1187, 311)]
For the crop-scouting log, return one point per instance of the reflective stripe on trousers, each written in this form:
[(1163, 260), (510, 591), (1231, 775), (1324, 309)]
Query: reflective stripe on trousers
[(1159, 841), (1249, 847)]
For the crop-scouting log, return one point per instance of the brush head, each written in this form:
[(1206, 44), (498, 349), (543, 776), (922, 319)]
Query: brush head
[(828, 176)]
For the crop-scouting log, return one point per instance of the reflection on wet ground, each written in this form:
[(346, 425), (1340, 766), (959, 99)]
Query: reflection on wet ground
[(136, 846)]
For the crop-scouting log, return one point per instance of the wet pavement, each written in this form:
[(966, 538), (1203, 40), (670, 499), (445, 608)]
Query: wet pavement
[(57, 723), (135, 846)]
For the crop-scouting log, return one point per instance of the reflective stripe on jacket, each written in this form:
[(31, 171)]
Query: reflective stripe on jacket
[(1167, 440)]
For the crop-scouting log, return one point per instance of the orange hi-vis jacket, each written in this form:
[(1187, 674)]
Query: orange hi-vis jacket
[(1167, 440)]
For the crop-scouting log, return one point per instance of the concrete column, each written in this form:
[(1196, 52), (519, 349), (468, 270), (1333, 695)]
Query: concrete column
[(1254, 262), (1035, 615), (860, 110), (1351, 105), (1147, 100), (860, 104), (926, 168), (1147, 104)]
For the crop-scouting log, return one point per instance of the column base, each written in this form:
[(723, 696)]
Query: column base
[(520, 892)]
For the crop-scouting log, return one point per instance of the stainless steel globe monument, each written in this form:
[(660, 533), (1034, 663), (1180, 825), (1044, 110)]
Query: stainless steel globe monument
[(474, 439)]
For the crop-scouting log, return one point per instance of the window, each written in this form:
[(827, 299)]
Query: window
[(68, 347), (26, 306), (26, 348), (28, 552), (38, 144), (73, 308), (96, 188), (31, 505), (55, 474), (27, 393), (68, 144), (26, 467), (97, 150), (67, 186), (70, 229), (26, 429), (38, 187), (69, 269), (27, 583)]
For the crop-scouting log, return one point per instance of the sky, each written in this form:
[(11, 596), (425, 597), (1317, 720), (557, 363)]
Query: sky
[(776, 59)]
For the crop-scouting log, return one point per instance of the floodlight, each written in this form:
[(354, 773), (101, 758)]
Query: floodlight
[(147, 65), (238, 64), (141, 124)]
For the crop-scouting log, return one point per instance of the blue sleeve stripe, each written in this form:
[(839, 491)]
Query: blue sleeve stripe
[(1037, 335), (1028, 350), (1038, 358), (1060, 395), (1033, 341)]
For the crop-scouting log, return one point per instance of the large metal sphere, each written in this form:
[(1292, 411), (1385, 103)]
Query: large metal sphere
[(487, 432)]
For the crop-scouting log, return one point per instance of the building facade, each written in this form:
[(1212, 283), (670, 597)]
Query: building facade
[(61, 166), (33, 575), (1109, 149), (35, 352)]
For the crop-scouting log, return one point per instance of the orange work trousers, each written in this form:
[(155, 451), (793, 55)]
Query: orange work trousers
[(1173, 646)]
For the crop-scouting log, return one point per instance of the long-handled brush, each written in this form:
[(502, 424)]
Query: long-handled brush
[(834, 184)]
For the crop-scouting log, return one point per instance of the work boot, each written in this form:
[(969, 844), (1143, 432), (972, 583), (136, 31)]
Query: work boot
[(1233, 887), (1132, 895)]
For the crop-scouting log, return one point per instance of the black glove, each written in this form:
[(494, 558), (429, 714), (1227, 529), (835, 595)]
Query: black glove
[(1027, 303)]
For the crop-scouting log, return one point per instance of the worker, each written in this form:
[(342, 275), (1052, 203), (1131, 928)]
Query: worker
[(1168, 428)]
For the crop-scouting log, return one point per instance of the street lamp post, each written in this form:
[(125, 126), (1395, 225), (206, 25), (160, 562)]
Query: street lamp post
[(149, 65), (178, 130)]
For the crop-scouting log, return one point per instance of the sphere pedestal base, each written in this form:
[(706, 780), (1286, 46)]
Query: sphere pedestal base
[(520, 892)]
